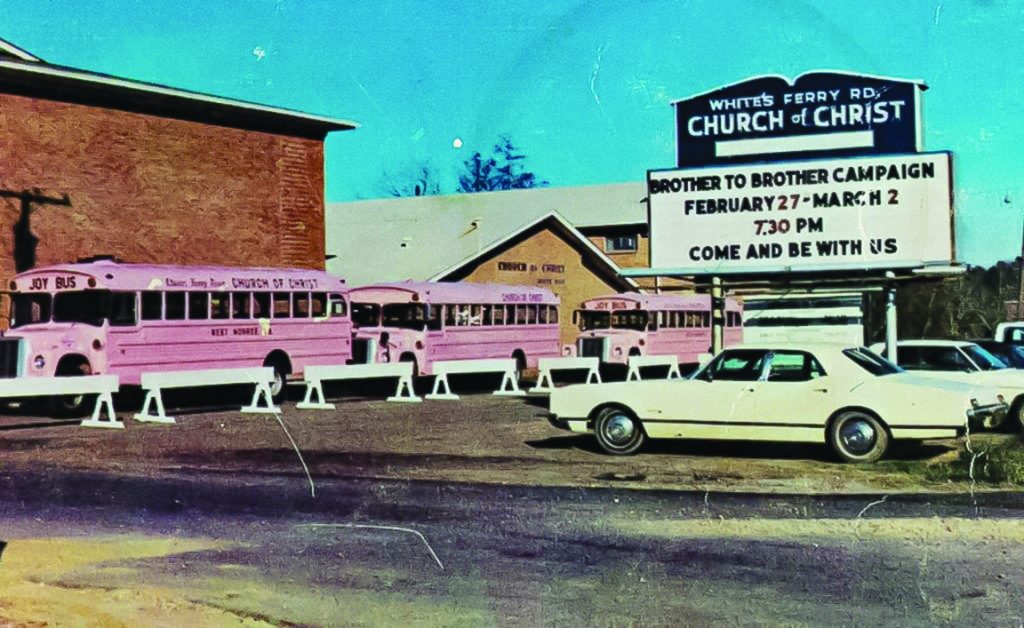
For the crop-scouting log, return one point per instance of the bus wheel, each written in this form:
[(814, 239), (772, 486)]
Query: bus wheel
[(520, 359), (72, 406), (282, 368), (410, 357)]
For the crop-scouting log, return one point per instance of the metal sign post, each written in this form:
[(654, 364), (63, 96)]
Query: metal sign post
[(717, 315)]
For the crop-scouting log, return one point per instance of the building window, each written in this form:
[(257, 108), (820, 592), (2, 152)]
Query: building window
[(620, 244)]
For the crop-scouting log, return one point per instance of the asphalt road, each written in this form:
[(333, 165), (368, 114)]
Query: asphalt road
[(256, 548)]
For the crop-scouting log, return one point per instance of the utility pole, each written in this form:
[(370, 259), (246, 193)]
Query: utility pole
[(1019, 314), (25, 241)]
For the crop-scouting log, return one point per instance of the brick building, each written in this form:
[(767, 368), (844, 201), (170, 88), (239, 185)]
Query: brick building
[(92, 164)]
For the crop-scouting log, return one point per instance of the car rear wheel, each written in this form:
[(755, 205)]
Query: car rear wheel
[(618, 432), (858, 437)]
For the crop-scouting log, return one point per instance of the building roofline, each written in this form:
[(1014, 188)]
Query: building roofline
[(557, 219), (11, 49), (65, 84)]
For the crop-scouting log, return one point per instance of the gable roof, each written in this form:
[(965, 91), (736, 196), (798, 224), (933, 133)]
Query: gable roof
[(423, 238), (23, 74), (600, 262)]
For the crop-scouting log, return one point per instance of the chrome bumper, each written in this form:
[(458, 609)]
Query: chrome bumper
[(995, 410)]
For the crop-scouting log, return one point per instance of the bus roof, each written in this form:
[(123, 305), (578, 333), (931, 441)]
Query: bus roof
[(640, 301), (113, 275), (452, 292)]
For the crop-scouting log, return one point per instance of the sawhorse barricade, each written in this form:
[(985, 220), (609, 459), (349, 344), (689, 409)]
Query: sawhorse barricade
[(262, 377), (441, 371), (103, 386), (637, 362), (315, 376), (547, 365)]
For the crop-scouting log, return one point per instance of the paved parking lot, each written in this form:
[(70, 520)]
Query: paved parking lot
[(480, 438)]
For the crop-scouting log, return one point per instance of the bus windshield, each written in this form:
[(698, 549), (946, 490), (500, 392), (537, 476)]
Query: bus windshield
[(630, 319), (89, 307), (28, 309), (594, 320), (365, 314), (405, 315)]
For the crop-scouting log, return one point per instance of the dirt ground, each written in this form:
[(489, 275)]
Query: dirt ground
[(479, 438), (511, 555)]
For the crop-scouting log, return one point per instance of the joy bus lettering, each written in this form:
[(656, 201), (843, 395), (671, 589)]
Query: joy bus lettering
[(59, 283)]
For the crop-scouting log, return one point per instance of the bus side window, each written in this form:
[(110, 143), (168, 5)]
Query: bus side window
[(261, 305), (449, 315), (542, 314), (300, 305), (319, 303), (175, 302), (338, 305), (220, 305), (282, 305), (476, 316), (198, 305), (152, 305), (240, 305), (499, 315), (487, 317), (553, 314), (122, 310), (531, 314), (510, 315), (705, 319), (434, 317)]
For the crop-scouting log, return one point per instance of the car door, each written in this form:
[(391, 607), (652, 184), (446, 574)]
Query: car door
[(730, 379), (794, 391)]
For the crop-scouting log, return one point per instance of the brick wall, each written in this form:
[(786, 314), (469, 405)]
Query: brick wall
[(150, 189)]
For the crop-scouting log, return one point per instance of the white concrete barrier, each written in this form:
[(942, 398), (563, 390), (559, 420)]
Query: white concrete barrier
[(315, 376), (262, 377), (441, 370), (103, 386), (637, 362), (547, 365)]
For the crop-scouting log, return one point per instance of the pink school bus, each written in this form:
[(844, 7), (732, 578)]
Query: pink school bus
[(106, 317), (615, 327), (423, 322)]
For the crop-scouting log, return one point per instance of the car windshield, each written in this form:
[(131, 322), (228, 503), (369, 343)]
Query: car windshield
[(871, 361), (985, 360), (594, 320)]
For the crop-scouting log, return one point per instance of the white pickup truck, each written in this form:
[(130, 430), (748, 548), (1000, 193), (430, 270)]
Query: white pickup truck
[(1012, 331)]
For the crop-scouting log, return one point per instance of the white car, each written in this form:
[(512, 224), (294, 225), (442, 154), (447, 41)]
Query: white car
[(845, 396), (959, 361)]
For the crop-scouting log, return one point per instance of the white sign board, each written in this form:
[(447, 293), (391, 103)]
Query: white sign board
[(829, 214)]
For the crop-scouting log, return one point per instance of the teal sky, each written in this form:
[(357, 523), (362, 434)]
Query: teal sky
[(582, 87)]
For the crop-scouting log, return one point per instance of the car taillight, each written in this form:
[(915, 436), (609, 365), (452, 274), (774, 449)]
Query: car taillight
[(642, 342)]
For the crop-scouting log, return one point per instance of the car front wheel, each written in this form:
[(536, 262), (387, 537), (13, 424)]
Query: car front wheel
[(858, 437), (618, 432)]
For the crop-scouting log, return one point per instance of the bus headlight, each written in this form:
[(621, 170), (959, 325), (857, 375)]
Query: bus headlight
[(39, 362), (618, 350)]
